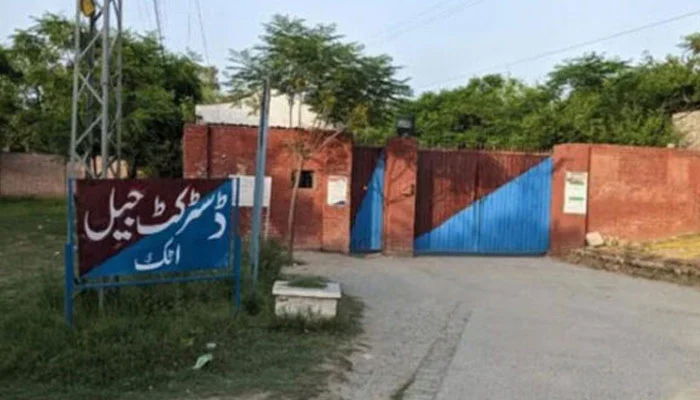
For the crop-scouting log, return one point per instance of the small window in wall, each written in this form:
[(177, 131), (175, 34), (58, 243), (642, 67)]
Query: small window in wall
[(306, 180)]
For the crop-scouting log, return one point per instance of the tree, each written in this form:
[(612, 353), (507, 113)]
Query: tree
[(586, 73), (347, 89), (160, 91), (591, 99), (9, 99)]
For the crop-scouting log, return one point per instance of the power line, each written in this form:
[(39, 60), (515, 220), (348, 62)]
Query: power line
[(189, 23), (141, 14), (450, 12), (201, 31), (568, 48), (409, 19), (156, 10), (146, 11), (164, 8)]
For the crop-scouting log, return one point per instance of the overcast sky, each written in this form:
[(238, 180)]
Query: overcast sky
[(434, 40)]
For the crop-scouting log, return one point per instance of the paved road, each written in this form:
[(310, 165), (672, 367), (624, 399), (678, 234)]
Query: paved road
[(516, 328)]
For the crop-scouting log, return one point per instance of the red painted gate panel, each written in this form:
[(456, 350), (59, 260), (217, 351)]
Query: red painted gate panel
[(467, 199), (450, 180)]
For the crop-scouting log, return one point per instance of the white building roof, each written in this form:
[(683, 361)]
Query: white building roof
[(247, 114)]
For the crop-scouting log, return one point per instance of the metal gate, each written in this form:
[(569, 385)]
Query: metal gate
[(367, 199), (482, 202)]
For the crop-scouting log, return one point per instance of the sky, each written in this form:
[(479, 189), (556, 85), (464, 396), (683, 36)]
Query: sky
[(433, 40)]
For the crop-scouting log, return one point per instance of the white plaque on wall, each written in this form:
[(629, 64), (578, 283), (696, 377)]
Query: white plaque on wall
[(248, 188), (576, 193), (337, 192)]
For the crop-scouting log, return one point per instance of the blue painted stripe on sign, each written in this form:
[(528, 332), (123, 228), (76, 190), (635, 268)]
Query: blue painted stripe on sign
[(366, 232), (514, 219), (202, 243)]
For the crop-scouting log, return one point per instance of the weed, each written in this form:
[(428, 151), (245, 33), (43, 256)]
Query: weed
[(147, 339), (309, 282)]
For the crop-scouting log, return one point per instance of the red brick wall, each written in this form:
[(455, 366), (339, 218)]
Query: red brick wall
[(336, 219), (567, 231), (40, 175), (643, 193), (634, 193), (221, 150), (27, 174), (400, 195)]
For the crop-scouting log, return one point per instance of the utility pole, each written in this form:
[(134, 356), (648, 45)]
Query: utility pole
[(259, 180), (96, 112), (96, 109)]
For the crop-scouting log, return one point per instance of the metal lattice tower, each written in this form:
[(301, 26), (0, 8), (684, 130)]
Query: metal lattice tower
[(96, 114)]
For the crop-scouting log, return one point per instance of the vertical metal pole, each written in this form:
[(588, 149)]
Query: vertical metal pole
[(237, 246), (104, 82), (104, 133), (90, 101), (119, 88), (259, 181), (68, 259), (73, 154)]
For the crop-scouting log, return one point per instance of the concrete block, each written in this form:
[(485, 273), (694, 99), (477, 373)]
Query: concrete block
[(594, 239), (293, 301)]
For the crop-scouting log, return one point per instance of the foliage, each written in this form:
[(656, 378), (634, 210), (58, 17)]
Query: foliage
[(160, 91), (344, 87), (148, 339), (348, 90), (591, 99)]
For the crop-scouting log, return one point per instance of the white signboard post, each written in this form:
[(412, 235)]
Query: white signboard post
[(576, 193), (248, 188), (337, 193)]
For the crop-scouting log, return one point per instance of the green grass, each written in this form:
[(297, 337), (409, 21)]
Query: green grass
[(147, 340), (309, 282)]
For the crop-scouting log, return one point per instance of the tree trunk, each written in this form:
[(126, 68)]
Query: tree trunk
[(131, 168), (299, 111), (292, 208)]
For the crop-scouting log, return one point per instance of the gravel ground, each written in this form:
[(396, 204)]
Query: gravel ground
[(514, 328)]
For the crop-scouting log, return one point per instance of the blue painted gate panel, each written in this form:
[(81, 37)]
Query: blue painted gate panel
[(456, 235), (514, 219), (366, 231)]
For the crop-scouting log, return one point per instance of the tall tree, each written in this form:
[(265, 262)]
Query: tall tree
[(160, 91), (347, 89), (592, 98)]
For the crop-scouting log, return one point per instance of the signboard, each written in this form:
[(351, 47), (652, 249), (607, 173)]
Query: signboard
[(248, 187), (128, 227), (337, 192), (576, 193)]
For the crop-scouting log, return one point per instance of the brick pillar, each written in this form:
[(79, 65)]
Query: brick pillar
[(567, 231), (195, 151), (400, 195), (336, 217)]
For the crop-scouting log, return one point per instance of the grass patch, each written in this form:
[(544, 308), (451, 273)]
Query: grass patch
[(148, 339), (308, 282), (685, 247)]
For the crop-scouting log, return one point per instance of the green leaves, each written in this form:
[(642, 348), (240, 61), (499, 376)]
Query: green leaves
[(590, 99), (344, 87), (160, 90)]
